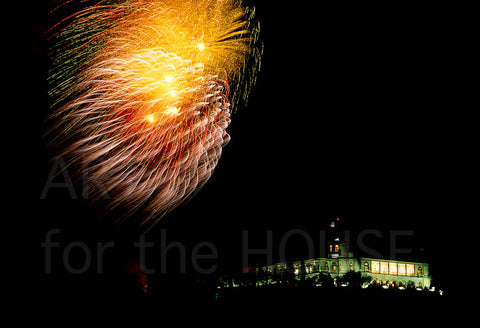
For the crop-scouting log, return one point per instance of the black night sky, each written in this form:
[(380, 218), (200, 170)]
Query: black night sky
[(350, 118)]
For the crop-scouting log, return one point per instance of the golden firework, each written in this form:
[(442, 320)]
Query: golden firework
[(142, 92)]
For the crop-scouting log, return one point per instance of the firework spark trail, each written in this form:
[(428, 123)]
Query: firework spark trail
[(142, 93)]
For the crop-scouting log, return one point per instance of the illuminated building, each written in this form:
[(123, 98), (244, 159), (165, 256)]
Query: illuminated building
[(387, 273)]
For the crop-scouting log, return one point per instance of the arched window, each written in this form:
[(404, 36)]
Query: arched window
[(326, 266), (419, 271), (351, 266), (365, 266)]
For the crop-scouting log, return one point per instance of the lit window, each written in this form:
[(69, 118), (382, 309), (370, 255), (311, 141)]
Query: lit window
[(331, 248), (351, 266), (334, 267), (337, 249), (410, 270), (326, 266), (365, 266), (393, 268), (419, 271), (375, 267), (384, 267), (401, 269)]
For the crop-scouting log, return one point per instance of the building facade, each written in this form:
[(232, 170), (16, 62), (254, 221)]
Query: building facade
[(339, 261)]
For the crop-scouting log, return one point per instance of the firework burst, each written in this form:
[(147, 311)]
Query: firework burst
[(142, 92)]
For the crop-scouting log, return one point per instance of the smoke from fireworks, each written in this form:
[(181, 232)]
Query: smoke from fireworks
[(142, 92)]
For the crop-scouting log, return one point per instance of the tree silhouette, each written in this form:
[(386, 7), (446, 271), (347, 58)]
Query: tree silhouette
[(353, 279), (325, 280)]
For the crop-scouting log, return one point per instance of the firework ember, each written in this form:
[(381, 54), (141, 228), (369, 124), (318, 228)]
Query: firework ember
[(142, 92)]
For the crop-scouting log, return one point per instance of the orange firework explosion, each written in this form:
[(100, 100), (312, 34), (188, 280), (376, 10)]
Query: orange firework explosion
[(140, 91)]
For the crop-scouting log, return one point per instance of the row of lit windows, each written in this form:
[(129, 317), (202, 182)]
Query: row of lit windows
[(400, 269), (310, 268), (334, 248)]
